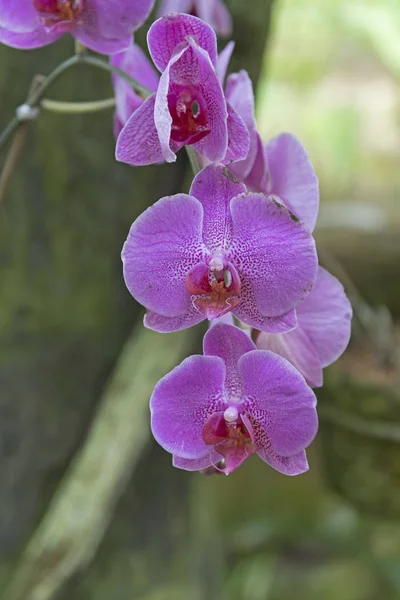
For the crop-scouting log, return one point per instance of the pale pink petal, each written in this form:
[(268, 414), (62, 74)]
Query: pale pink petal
[(174, 6), (138, 142), (242, 169), (256, 180), (89, 36), (106, 26), (135, 63), (197, 464), (239, 92), (297, 348), (223, 61), (216, 14), (292, 177), (222, 19), (238, 137), (325, 316), (162, 116)]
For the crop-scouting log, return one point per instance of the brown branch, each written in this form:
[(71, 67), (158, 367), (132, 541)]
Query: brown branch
[(81, 509), (12, 158)]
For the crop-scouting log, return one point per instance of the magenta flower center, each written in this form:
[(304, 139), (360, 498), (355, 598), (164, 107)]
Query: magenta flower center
[(189, 115), (52, 11), (231, 435), (216, 288)]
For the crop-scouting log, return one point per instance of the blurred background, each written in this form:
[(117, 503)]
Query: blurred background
[(90, 508)]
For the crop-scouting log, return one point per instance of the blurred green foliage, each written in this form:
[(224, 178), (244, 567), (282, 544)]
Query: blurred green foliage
[(332, 77)]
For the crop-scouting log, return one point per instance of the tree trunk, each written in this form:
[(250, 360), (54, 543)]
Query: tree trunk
[(65, 314)]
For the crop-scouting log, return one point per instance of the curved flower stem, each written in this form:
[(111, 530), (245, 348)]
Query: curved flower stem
[(26, 112), (102, 64), (35, 97), (80, 48), (77, 107), (38, 94), (9, 130)]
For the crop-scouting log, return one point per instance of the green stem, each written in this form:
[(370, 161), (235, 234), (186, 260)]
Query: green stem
[(80, 48), (102, 64), (9, 130), (193, 158), (35, 97), (77, 107)]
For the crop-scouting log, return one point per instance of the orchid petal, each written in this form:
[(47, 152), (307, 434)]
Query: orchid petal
[(229, 343), (223, 61), (168, 32), (138, 142), (276, 253), (164, 243), (280, 402), (162, 116), (325, 316), (292, 178), (214, 187), (29, 40), (288, 465), (297, 348), (238, 137), (167, 324), (135, 63), (181, 402), (18, 16), (248, 312)]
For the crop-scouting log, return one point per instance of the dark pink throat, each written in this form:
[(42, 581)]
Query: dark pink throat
[(216, 291), (189, 115), (56, 11), (232, 438)]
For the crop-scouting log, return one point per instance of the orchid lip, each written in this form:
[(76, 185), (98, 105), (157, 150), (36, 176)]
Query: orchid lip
[(189, 115), (231, 437), (215, 289), (56, 11)]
